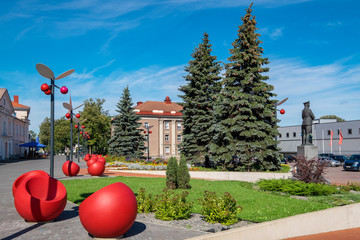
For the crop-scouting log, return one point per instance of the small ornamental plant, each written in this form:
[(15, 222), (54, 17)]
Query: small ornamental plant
[(172, 206), (223, 209), (145, 201), (309, 170), (171, 173), (183, 175)]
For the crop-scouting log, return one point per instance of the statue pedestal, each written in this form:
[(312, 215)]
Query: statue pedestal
[(308, 151)]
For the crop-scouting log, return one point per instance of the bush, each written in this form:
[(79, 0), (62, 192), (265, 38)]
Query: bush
[(172, 206), (222, 210), (183, 175), (295, 187), (350, 186), (309, 171), (171, 173), (145, 202)]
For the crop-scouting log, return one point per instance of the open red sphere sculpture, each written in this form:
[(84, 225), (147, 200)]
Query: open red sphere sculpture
[(23, 177), (40, 198), (70, 168), (96, 169), (109, 212)]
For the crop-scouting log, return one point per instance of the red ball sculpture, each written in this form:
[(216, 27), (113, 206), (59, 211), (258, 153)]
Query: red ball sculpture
[(282, 111), (40, 198), (64, 90), (70, 168), (104, 220), (45, 87), (23, 177), (87, 157), (96, 169), (91, 161)]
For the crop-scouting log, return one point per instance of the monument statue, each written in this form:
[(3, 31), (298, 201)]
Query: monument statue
[(306, 126)]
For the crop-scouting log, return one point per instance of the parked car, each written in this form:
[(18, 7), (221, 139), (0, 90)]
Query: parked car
[(289, 158), (326, 155), (340, 158), (353, 163), (330, 162)]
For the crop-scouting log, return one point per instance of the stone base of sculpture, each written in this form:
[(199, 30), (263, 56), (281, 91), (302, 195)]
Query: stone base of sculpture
[(308, 151)]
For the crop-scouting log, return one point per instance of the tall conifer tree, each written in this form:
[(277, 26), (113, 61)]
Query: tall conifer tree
[(127, 139), (202, 84), (245, 114)]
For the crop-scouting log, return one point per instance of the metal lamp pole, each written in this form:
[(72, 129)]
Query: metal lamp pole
[(46, 72), (282, 111), (147, 127)]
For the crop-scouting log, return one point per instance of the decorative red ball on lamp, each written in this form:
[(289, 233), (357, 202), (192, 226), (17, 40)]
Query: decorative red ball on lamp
[(76, 126), (80, 132), (86, 132), (82, 126), (150, 131), (48, 92), (282, 111), (67, 115), (77, 115), (64, 90), (45, 87)]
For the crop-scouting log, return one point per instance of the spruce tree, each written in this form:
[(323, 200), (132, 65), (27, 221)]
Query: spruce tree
[(202, 84), (171, 173), (183, 175), (127, 139), (245, 112)]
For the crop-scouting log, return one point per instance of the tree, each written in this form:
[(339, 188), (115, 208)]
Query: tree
[(62, 135), (202, 84), (32, 135), (245, 129), (171, 173), (44, 133), (183, 175), (338, 119), (127, 139), (97, 123)]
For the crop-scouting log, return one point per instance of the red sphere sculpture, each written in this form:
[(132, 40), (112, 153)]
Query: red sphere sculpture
[(96, 169), (40, 198), (282, 111), (87, 157), (104, 220), (64, 90), (45, 87), (77, 115), (23, 177), (91, 161), (70, 168)]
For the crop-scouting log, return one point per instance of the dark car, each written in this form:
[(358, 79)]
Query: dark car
[(340, 158), (326, 155), (353, 163)]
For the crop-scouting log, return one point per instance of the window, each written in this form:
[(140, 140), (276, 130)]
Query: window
[(179, 125), (146, 124), (329, 132), (167, 125), (294, 134), (349, 131), (146, 137), (167, 150), (167, 138), (287, 135), (279, 135), (146, 150), (179, 137)]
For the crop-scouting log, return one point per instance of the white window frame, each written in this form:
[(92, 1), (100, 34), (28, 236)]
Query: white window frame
[(166, 125), (167, 150), (167, 138)]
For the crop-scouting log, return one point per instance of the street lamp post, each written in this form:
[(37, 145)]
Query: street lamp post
[(46, 72), (282, 111), (147, 127)]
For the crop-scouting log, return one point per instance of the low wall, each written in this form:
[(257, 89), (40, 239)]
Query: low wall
[(332, 219)]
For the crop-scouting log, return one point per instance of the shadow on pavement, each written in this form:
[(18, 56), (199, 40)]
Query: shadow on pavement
[(136, 229), (19, 233), (68, 214)]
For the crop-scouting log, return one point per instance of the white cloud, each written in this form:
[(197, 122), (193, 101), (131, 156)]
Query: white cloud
[(274, 33)]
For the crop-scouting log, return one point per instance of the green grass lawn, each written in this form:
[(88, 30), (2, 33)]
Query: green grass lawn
[(258, 206)]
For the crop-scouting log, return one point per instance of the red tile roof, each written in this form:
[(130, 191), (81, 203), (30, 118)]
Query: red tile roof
[(16, 103), (166, 107)]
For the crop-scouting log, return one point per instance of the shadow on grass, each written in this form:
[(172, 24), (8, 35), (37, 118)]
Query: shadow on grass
[(83, 197)]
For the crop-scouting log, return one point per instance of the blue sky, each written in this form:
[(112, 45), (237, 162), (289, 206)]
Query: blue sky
[(313, 47)]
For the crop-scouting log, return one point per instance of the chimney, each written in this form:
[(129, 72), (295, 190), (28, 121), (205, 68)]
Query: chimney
[(138, 103), (16, 98), (167, 100)]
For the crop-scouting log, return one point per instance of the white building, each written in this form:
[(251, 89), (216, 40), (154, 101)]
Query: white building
[(290, 137), (14, 126)]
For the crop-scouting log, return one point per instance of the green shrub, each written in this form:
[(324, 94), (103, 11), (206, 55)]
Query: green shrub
[(223, 209), (145, 202), (171, 173), (183, 175), (350, 186), (295, 187), (172, 206)]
